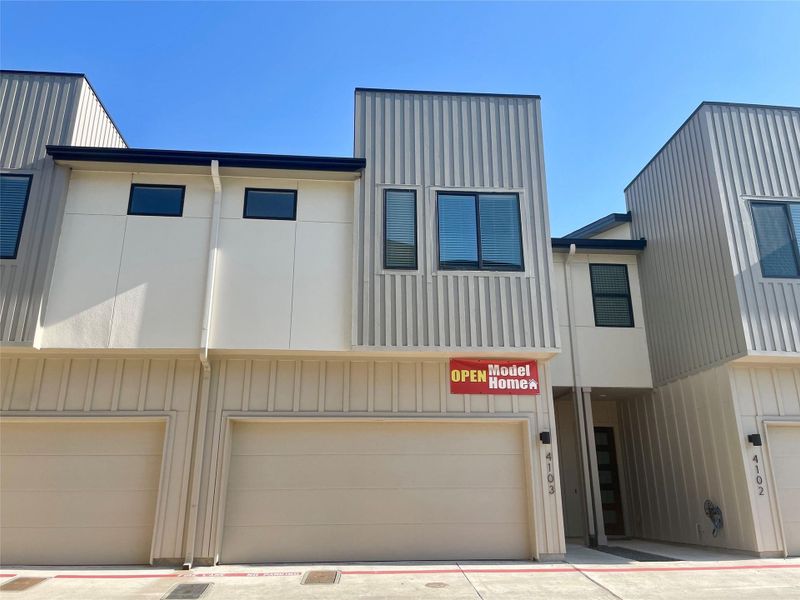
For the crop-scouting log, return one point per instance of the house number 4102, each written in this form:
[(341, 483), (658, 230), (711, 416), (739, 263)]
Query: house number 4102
[(759, 475)]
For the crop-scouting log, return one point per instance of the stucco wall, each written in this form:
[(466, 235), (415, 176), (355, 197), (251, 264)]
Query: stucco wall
[(123, 281), (607, 356)]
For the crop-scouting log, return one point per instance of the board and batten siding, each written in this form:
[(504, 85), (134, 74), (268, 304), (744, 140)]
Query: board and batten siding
[(755, 152), (764, 394), (354, 388), (431, 142), (69, 388), (35, 110), (683, 446), (691, 307)]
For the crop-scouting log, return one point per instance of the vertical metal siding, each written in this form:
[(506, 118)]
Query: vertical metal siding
[(93, 125), (36, 110), (691, 306), (756, 154), (428, 141)]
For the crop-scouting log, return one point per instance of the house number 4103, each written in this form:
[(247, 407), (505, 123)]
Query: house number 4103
[(759, 475), (551, 478)]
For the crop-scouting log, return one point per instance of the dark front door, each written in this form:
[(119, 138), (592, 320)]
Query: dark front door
[(608, 474)]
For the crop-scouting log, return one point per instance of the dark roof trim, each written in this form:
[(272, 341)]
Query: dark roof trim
[(53, 73), (191, 157), (601, 225), (486, 94), (691, 116), (67, 74), (590, 244)]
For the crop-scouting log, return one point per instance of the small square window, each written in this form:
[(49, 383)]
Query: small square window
[(270, 204), (156, 200)]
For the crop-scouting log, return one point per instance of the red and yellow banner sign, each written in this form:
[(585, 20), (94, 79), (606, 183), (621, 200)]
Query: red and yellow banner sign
[(487, 376)]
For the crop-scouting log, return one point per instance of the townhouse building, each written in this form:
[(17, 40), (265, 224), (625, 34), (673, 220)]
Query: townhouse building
[(221, 357)]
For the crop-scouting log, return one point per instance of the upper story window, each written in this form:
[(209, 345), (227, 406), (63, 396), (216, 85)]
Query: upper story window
[(479, 232), (777, 226), (611, 295), (14, 190), (400, 229), (270, 204), (156, 200)]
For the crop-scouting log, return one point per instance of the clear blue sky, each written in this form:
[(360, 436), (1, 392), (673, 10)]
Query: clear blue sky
[(616, 80)]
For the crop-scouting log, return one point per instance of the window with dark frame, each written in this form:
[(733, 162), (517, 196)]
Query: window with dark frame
[(279, 205), (400, 229), (777, 228), (14, 192), (611, 295), (479, 231), (152, 200)]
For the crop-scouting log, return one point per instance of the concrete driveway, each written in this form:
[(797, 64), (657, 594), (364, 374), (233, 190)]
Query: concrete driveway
[(587, 574)]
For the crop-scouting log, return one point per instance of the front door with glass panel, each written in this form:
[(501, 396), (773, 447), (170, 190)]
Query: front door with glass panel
[(608, 474)]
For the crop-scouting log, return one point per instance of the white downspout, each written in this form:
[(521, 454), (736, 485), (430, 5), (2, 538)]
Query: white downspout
[(578, 405), (205, 331)]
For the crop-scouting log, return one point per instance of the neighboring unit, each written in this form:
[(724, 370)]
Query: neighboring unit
[(720, 207)]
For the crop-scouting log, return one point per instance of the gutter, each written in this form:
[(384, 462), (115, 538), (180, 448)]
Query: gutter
[(205, 383)]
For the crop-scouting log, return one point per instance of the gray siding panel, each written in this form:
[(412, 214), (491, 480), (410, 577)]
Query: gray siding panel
[(36, 110), (428, 142), (756, 154), (691, 307), (93, 125)]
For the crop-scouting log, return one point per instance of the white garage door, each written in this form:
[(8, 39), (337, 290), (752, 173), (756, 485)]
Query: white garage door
[(375, 491), (784, 450), (78, 493)]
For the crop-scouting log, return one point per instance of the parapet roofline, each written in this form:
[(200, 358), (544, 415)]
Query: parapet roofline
[(201, 158), (601, 225), (435, 93), (703, 104), (70, 74)]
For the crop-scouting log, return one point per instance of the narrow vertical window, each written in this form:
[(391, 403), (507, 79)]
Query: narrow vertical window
[(14, 191), (777, 227), (400, 229), (611, 296)]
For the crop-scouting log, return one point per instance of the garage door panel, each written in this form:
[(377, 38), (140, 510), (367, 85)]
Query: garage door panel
[(77, 508), (784, 452), (375, 491), (57, 546), (383, 542), (374, 470), (79, 492), (31, 438), (78, 472), (333, 438), (319, 507), (787, 469)]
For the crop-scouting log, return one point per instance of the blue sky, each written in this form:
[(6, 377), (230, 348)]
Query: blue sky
[(616, 79)]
